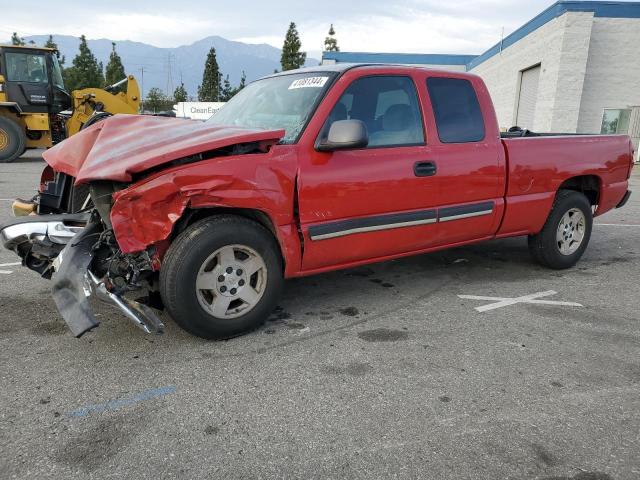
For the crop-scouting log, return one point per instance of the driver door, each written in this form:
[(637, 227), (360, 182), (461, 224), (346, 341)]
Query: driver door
[(369, 202)]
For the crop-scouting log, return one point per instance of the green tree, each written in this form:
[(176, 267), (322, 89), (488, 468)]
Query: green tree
[(85, 70), (330, 42), (227, 90), (51, 44), (180, 93), (156, 100), (115, 70), (292, 57), (16, 40), (209, 90), (243, 82), (241, 85)]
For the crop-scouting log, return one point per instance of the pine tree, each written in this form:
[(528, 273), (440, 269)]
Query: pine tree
[(115, 70), (241, 85), (243, 82), (85, 72), (330, 42), (180, 93), (51, 44), (227, 90), (209, 91), (16, 40), (292, 57)]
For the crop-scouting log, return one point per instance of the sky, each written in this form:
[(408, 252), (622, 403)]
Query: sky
[(417, 26)]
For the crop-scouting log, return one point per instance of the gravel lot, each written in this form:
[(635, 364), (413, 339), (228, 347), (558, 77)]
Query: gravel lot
[(376, 372)]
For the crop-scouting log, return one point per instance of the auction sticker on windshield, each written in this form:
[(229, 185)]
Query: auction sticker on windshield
[(316, 82)]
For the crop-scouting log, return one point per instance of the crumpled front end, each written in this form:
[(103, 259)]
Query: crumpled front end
[(79, 251), (75, 281), (82, 260)]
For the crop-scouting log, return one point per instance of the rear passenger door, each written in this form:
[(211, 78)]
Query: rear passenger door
[(467, 151)]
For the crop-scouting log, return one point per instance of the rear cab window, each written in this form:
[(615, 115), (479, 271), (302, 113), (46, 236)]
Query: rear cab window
[(388, 106), (456, 110)]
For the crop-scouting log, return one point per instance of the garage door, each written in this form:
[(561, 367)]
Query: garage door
[(528, 97)]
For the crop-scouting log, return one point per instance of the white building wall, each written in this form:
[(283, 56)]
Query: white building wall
[(613, 70), (576, 38), (561, 48)]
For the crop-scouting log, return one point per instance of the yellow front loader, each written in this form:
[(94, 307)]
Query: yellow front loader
[(93, 104), (35, 109)]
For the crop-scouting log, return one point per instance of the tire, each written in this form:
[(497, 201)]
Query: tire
[(98, 117), (13, 140), (200, 256), (565, 234)]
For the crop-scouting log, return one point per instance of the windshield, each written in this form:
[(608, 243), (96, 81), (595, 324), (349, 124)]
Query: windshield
[(273, 103), (26, 67)]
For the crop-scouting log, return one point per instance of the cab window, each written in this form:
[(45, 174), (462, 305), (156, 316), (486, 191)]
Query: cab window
[(456, 110), (26, 67), (387, 105)]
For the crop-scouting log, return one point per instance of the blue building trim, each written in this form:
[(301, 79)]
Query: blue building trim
[(416, 58), (599, 8)]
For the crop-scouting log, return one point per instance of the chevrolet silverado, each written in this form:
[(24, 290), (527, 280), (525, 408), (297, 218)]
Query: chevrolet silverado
[(302, 172)]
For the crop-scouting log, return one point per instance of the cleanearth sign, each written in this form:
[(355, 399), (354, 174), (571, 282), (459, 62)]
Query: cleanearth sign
[(197, 110)]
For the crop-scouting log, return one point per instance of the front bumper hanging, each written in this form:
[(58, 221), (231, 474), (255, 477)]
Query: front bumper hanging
[(69, 239)]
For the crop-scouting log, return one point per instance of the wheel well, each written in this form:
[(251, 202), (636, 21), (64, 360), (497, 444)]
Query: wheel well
[(9, 107), (192, 215), (12, 115), (588, 185)]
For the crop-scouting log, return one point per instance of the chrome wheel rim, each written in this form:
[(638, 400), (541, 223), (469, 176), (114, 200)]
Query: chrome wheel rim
[(570, 233), (231, 281)]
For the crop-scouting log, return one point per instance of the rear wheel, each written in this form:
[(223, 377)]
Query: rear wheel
[(221, 277), (566, 233), (12, 140)]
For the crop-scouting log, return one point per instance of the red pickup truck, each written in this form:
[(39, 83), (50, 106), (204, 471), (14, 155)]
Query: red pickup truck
[(302, 172)]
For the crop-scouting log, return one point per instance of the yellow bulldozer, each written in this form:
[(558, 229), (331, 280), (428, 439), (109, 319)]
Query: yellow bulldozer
[(35, 109)]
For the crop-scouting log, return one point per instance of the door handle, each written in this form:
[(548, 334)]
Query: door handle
[(424, 169)]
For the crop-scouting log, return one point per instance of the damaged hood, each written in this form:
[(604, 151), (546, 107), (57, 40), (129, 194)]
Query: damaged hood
[(123, 145)]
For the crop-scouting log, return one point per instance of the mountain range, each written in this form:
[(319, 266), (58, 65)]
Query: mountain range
[(165, 68)]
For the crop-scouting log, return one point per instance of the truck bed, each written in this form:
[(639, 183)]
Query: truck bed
[(539, 164)]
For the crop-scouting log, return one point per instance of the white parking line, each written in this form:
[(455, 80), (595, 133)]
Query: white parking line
[(615, 225), (10, 264), (6, 272), (506, 301)]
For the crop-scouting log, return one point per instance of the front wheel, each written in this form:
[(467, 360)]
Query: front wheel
[(566, 233), (221, 277)]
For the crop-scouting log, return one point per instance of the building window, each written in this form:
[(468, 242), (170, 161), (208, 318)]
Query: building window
[(615, 120), (456, 109)]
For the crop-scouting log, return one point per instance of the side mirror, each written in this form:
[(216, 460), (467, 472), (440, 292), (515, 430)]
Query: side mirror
[(344, 134)]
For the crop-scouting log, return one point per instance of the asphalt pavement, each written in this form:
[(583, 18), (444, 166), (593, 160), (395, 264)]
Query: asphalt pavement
[(376, 372)]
